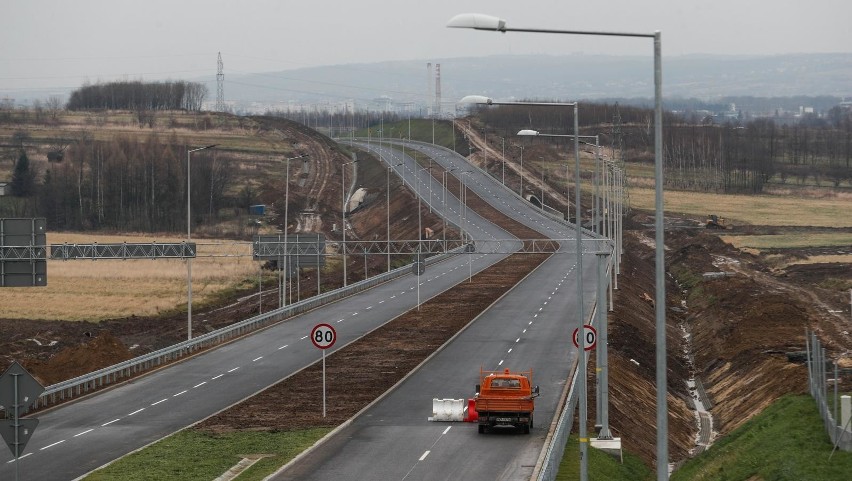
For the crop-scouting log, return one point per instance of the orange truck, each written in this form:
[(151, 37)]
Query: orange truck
[(505, 399)]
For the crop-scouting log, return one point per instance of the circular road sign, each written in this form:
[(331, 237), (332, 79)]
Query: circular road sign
[(323, 336), (591, 337)]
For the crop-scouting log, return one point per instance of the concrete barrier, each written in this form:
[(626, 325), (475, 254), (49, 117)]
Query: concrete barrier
[(448, 410)]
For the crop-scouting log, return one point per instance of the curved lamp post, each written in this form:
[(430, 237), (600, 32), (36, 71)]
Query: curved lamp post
[(479, 21), (188, 237)]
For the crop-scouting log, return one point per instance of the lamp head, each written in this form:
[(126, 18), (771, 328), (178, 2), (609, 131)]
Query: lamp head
[(528, 132), (476, 99), (477, 21)]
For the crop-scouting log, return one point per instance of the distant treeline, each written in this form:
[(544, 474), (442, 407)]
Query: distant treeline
[(130, 185), (735, 157), (138, 95)]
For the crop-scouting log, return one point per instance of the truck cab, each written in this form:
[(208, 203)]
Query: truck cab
[(505, 399)]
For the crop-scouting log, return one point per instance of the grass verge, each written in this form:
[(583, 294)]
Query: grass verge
[(786, 442), (602, 466), (191, 454)]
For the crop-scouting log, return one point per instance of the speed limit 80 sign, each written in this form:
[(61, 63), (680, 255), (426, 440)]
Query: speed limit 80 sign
[(323, 336)]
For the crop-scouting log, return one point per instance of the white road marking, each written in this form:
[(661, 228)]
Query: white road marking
[(424, 456), (52, 445), (160, 401), (446, 430), (518, 339), (199, 384), (136, 412), (509, 351), (178, 394), (216, 377), (19, 457), (110, 422), (84, 432), (500, 363), (381, 302), (234, 369), (301, 339), (257, 359), (369, 308)]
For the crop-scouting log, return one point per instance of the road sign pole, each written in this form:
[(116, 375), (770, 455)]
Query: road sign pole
[(323, 383), (16, 425)]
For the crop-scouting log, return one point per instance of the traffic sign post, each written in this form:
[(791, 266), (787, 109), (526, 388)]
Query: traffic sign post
[(590, 335), (18, 389), (323, 336)]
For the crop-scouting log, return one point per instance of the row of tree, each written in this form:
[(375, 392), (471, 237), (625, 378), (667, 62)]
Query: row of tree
[(139, 96), (126, 185)]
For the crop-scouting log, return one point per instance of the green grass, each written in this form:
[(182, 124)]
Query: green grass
[(787, 442), (190, 454), (602, 466)]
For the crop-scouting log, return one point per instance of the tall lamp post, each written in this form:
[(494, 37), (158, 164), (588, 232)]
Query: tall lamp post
[(188, 237), (390, 167), (487, 22), (343, 212), (419, 182), (282, 300)]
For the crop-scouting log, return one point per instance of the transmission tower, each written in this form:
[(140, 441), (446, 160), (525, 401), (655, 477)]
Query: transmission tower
[(220, 86), (437, 109)]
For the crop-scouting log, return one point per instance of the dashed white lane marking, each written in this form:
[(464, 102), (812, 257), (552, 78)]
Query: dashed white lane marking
[(381, 302), (52, 445), (340, 320), (509, 351), (257, 359), (216, 377), (424, 456), (178, 394), (136, 412), (110, 422), (518, 340), (354, 313), (199, 384), (500, 363), (282, 347), (84, 432), (234, 369), (367, 309), (301, 339), (160, 401), (446, 430), (19, 457)]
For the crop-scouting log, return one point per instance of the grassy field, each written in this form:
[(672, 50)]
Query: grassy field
[(190, 454), (84, 290), (790, 241), (602, 466), (756, 210), (786, 442)]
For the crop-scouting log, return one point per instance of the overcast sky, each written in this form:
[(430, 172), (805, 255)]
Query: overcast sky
[(58, 43)]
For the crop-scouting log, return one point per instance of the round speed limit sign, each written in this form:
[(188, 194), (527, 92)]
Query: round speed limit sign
[(323, 336), (591, 337)]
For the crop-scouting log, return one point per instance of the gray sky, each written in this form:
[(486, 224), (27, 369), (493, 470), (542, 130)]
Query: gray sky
[(58, 43)]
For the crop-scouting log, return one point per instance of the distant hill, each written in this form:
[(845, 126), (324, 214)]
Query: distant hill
[(584, 77), (710, 78)]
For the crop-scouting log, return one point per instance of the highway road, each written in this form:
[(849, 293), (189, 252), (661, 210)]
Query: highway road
[(529, 328), (73, 439)]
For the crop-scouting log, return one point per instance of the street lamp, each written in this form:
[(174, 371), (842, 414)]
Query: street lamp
[(444, 203), (419, 228), (487, 22), (282, 299), (188, 237), (390, 167), (343, 212)]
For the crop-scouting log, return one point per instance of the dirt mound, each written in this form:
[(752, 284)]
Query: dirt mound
[(104, 349)]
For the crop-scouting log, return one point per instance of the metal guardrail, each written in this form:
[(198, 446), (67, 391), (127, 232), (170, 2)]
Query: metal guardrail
[(818, 383), (85, 384)]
